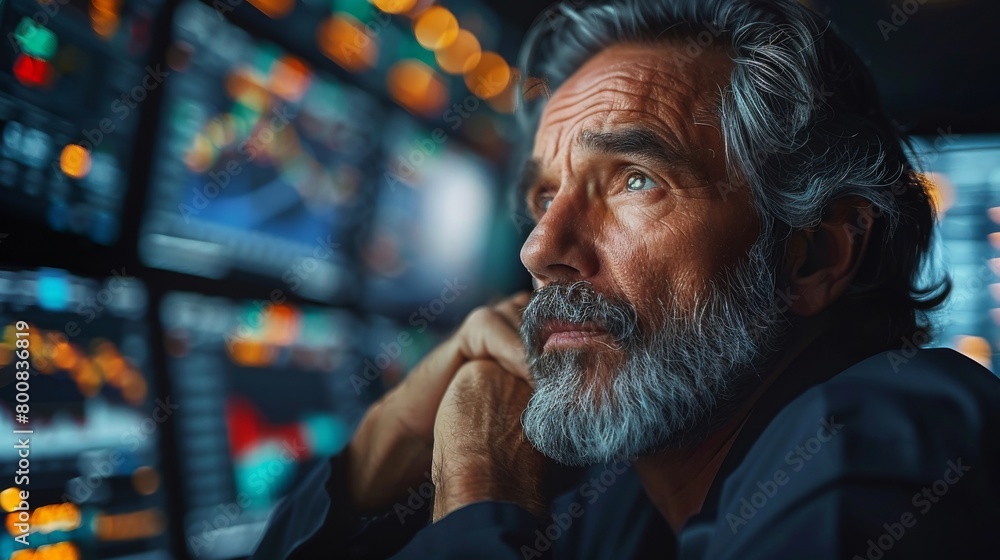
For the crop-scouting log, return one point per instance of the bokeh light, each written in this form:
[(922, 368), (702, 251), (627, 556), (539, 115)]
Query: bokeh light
[(506, 101), (104, 17), (75, 161), (344, 40), (975, 347), (33, 72), (10, 498), (490, 77), (395, 6), (274, 9), (417, 87), (941, 191), (462, 55), (290, 78), (145, 480), (436, 28)]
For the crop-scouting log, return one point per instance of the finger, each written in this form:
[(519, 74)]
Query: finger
[(513, 308), (490, 336)]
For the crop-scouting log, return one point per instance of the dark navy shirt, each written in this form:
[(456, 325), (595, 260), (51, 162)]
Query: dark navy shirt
[(895, 456)]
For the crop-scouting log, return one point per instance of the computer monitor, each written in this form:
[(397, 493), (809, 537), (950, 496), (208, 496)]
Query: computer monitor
[(963, 172), (261, 166), (428, 254), (73, 83), (267, 394), (83, 428)]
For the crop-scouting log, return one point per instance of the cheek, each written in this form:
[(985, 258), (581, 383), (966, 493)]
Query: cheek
[(650, 261), (654, 253)]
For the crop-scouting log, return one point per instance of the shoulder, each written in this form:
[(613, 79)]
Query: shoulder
[(885, 438), (935, 400), (896, 413)]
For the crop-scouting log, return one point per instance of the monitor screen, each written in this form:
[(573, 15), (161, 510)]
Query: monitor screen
[(429, 244), (963, 172), (261, 163), (267, 394), (84, 423), (73, 84)]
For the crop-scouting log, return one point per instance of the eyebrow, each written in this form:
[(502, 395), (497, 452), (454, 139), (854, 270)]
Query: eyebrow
[(638, 143), (642, 144)]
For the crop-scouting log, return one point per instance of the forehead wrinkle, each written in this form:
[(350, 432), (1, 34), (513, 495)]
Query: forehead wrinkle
[(567, 128), (562, 128), (636, 79), (622, 96), (656, 91)]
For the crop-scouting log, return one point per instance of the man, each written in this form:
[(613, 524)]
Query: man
[(727, 241)]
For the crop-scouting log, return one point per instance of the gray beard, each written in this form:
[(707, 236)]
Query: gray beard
[(664, 389)]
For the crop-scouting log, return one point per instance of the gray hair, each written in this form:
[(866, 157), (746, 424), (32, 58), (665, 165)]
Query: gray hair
[(801, 120)]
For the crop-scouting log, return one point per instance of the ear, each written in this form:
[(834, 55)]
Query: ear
[(822, 262)]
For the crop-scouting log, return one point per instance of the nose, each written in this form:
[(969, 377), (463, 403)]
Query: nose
[(562, 246)]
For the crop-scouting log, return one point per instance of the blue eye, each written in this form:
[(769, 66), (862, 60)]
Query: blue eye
[(639, 182), (539, 203)]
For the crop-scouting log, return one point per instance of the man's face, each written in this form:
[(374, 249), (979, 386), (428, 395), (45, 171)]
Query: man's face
[(642, 316)]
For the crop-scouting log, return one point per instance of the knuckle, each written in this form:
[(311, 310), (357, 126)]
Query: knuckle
[(481, 317), (478, 315), (475, 373)]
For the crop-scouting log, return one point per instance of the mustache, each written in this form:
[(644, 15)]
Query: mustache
[(578, 302)]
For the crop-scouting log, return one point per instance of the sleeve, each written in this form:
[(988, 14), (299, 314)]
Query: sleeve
[(317, 519), (606, 515), (484, 530), (874, 468)]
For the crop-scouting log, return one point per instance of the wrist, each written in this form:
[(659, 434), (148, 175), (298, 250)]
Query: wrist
[(383, 460), (459, 483)]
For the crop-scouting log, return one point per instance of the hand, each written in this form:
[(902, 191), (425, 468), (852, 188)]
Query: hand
[(391, 451), (480, 452)]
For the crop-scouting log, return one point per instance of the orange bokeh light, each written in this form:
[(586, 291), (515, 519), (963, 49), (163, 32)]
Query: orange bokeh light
[(344, 40), (436, 28), (506, 101), (290, 78), (145, 480), (941, 191), (274, 9), (75, 161), (490, 77), (417, 87), (462, 55), (394, 6), (10, 498), (975, 347)]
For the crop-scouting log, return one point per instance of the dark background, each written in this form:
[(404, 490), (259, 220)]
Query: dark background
[(303, 373)]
